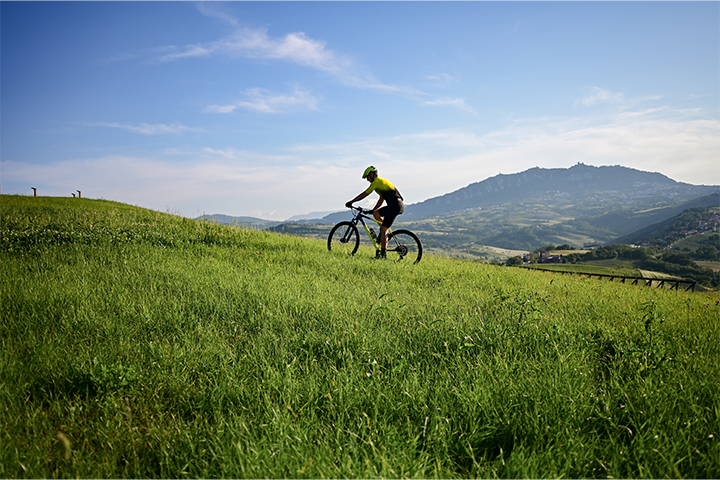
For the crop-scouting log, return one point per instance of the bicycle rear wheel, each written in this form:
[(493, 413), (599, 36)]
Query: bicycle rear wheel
[(404, 245), (344, 239)]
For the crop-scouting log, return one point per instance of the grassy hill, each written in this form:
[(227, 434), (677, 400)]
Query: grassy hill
[(140, 344)]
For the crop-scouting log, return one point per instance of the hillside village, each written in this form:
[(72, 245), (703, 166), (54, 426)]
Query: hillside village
[(708, 223), (684, 228)]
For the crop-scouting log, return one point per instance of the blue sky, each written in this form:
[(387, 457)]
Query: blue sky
[(273, 109)]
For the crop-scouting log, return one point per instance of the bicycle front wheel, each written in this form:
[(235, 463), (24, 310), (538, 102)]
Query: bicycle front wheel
[(344, 239), (404, 245)]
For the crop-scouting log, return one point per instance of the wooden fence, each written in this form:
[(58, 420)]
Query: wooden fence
[(636, 280)]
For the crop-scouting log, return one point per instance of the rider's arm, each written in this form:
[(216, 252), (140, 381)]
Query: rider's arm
[(358, 198), (378, 204)]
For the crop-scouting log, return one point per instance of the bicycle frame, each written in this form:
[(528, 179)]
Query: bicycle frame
[(359, 216)]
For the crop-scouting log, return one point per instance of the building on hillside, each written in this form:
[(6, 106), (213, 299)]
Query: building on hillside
[(546, 257)]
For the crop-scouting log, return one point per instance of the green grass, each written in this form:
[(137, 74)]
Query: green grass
[(140, 344)]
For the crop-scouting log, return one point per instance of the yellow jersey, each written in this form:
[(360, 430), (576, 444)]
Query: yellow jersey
[(385, 189)]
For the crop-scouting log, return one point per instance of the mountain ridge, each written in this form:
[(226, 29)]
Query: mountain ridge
[(579, 205), (538, 183), (531, 183)]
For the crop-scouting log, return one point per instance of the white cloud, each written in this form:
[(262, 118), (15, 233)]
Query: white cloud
[(597, 95), (449, 102), (212, 9), (294, 47), (642, 113), (243, 156), (146, 128), (220, 108), (442, 79), (260, 100)]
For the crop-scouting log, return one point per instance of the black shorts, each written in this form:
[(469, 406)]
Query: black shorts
[(390, 211)]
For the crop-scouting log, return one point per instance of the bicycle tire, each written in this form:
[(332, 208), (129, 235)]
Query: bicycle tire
[(344, 239), (404, 244)]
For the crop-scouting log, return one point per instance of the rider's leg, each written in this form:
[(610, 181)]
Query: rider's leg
[(387, 215), (383, 230), (383, 237)]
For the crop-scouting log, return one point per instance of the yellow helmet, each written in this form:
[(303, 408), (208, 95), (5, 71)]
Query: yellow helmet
[(368, 171)]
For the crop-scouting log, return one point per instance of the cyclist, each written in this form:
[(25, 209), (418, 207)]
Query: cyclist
[(388, 194)]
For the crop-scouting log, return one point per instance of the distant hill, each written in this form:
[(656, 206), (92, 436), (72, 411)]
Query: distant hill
[(309, 216), (577, 206), (614, 188), (580, 180), (687, 217), (251, 222)]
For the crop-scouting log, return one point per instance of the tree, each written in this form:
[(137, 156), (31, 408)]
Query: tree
[(514, 261)]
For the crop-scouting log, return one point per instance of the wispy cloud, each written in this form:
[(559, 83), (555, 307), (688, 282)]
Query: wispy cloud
[(256, 43), (295, 47), (214, 10), (147, 128), (597, 95), (449, 102), (237, 155), (442, 79), (260, 100)]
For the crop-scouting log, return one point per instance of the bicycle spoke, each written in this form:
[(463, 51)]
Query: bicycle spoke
[(404, 246), (344, 239)]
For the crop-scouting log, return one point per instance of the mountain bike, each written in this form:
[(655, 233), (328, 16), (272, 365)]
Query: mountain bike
[(402, 244)]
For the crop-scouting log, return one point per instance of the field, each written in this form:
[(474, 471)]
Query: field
[(140, 344), (693, 242), (714, 266)]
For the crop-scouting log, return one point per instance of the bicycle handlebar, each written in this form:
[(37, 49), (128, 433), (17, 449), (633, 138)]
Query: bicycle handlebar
[(361, 210)]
